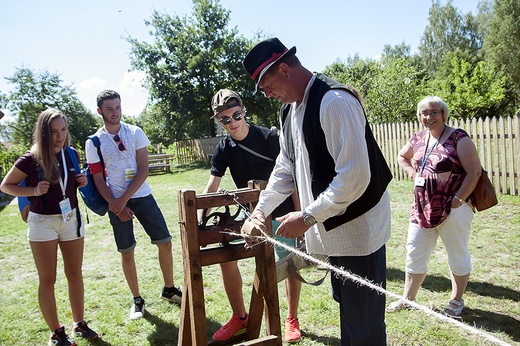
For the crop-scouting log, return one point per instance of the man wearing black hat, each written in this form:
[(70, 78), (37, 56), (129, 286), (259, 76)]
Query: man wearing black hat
[(250, 152), (330, 157)]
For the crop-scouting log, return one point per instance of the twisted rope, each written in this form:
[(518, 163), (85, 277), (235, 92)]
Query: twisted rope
[(340, 272)]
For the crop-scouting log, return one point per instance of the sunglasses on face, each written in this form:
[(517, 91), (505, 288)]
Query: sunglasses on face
[(120, 144), (227, 120)]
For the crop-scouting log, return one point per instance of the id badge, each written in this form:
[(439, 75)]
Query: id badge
[(66, 210), (420, 181), (129, 176)]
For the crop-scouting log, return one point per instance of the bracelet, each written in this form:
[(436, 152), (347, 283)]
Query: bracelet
[(35, 192), (459, 199)]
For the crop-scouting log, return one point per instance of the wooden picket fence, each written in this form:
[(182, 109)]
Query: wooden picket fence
[(190, 150), (497, 141)]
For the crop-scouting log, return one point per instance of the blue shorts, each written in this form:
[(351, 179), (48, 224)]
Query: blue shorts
[(151, 218)]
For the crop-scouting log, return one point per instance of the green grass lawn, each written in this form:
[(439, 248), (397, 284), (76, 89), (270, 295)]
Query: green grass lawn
[(492, 298)]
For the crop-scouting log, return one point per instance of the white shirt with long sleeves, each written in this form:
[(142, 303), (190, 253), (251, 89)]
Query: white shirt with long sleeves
[(343, 123)]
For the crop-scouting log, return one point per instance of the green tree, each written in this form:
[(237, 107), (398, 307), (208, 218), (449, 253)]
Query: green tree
[(153, 124), (391, 87), (36, 91), (354, 71), (484, 15), (448, 30), (502, 44), (395, 90), (4, 129), (3, 100), (401, 50), (188, 61), (471, 88)]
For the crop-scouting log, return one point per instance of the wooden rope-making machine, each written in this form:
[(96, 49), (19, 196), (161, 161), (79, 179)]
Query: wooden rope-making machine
[(211, 243)]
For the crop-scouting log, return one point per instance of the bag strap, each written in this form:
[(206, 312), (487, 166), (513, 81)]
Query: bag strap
[(39, 171), (254, 152), (97, 144), (74, 160), (293, 266), (293, 271)]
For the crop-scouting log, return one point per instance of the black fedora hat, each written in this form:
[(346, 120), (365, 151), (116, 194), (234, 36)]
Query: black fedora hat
[(263, 56)]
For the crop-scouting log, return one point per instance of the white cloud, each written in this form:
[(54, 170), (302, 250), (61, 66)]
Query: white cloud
[(87, 91), (94, 83), (133, 95), (129, 86), (132, 79)]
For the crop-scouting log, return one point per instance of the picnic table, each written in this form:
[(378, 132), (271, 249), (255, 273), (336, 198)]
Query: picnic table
[(160, 162)]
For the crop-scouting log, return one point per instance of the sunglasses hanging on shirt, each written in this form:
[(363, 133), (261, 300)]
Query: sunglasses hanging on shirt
[(120, 144)]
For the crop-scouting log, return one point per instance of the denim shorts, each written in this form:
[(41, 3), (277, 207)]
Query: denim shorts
[(52, 227), (151, 218)]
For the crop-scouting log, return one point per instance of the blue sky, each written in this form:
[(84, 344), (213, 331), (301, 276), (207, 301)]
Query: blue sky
[(83, 40)]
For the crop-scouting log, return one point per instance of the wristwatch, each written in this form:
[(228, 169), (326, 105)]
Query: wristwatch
[(308, 219)]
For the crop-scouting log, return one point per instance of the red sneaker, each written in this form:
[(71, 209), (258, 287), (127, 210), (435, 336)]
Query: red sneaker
[(233, 328), (292, 330)]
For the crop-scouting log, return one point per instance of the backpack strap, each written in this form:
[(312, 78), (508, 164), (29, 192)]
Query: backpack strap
[(97, 144), (74, 160), (24, 202), (39, 171)]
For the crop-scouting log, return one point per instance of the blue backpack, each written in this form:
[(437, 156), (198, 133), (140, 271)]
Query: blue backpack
[(24, 202), (89, 193)]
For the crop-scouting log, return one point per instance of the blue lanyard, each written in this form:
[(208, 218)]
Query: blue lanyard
[(425, 157)]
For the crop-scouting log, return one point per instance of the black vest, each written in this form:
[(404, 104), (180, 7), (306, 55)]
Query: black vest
[(322, 165)]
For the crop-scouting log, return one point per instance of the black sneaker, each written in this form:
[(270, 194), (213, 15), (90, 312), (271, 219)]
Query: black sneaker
[(173, 295), (137, 309), (84, 331), (60, 338)]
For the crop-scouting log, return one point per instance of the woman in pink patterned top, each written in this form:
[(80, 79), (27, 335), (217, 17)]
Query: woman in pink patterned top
[(444, 164)]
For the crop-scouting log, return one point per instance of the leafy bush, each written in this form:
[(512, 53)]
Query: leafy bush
[(9, 156)]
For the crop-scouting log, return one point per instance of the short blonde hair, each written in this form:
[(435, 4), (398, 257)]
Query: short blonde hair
[(429, 101)]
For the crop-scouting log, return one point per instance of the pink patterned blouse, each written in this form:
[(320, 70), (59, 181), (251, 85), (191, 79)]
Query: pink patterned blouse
[(443, 175)]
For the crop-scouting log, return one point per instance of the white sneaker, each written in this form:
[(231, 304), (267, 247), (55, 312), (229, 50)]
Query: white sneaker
[(137, 309)]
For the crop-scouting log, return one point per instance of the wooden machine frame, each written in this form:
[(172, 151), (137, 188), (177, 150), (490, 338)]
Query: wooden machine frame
[(196, 254)]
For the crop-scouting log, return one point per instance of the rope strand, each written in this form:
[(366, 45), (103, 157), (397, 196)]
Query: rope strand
[(340, 272)]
